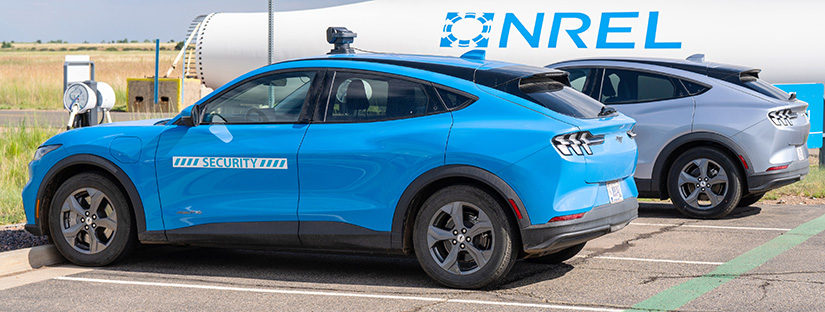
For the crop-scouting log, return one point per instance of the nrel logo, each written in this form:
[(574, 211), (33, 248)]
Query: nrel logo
[(474, 30), (461, 30), (229, 163)]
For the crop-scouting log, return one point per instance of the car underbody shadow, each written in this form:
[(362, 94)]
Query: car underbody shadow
[(271, 267), (668, 211)]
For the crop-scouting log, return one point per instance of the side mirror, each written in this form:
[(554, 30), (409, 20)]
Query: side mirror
[(193, 119), (195, 115)]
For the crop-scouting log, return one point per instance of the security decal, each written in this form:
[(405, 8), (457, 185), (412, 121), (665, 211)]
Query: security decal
[(229, 162)]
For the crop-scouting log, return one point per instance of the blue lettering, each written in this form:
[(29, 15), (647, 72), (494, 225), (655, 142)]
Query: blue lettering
[(574, 33), (604, 29), (650, 38), (253, 160), (511, 20)]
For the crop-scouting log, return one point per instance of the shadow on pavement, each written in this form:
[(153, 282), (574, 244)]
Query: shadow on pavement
[(306, 267), (668, 211)]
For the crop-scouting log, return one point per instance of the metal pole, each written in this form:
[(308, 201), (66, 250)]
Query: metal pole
[(822, 149), (182, 75), (157, 59), (271, 30)]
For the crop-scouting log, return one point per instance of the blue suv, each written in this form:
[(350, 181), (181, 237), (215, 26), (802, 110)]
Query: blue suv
[(466, 163)]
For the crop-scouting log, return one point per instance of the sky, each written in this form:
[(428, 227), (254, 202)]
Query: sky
[(94, 21)]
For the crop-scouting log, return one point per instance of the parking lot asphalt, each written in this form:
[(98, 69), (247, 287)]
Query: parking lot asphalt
[(760, 258)]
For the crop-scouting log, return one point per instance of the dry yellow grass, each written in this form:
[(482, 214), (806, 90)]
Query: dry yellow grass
[(34, 79)]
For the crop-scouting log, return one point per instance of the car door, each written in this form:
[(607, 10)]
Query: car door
[(663, 109), (234, 177), (374, 134)]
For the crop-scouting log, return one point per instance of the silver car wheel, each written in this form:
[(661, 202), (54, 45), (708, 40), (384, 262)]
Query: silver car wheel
[(460, 238), (88, 220), (703, 183)]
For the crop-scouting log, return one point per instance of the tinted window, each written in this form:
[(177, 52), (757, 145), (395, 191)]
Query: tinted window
[(568, 102), (768, 89), (274, 98), (693, 88), (453, 100), (365, 97), (625, 86)]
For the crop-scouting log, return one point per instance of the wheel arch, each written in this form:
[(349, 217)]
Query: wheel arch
[(431, 181), (74, 164), (672, 150)]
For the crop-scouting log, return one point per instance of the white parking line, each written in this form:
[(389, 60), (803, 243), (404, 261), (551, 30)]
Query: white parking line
[(655, 260), (714, 227), (340, 294)]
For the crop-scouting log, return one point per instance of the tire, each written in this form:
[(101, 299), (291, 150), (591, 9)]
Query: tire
[(474, 255), (559, 256), (751, 199), (704, 183), (90, 221)]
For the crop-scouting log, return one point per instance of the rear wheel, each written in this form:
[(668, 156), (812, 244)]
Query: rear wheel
[(751, 199), (463, 239), (559, 256), (704, 183), (90, 221)]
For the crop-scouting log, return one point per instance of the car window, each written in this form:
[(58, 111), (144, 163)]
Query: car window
[(577, 77), (453, 100), (627, 86), (694, 88), (768, 89), (366, 97), (276, 98)]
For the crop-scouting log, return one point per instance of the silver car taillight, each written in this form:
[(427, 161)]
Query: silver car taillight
[(578, 142), (782, 117)]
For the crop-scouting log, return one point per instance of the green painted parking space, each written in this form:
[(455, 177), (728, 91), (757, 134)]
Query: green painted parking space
[(679, 295)]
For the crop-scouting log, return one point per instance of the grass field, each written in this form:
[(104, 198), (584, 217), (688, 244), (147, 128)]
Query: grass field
[(17, 145), (33, 79)]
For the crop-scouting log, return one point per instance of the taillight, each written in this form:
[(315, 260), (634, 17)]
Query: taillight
[(777, 168), (578, 142), (567, 217), (783, 117)]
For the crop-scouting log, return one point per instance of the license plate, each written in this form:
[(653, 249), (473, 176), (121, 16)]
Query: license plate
[(614, 191), (800, 153)]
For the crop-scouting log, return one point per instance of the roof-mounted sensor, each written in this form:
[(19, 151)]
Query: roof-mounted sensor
[(340, 37)]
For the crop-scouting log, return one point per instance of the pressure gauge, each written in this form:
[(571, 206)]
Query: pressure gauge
[(81, 95)]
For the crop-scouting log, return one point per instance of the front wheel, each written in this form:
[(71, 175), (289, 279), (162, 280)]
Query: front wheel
[(462, 238), (90, 221), (704, 183)]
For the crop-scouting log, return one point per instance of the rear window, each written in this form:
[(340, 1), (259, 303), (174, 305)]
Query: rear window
[(767, 89), (569, 102), (548, 88)]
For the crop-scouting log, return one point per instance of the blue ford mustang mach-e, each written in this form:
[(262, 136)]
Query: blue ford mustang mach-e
[(468, 164)]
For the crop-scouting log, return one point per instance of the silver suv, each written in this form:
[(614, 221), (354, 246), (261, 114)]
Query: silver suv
[(711, 136)]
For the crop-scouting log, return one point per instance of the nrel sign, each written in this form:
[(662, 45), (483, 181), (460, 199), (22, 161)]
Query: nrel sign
[(473, 30), (784, 39)]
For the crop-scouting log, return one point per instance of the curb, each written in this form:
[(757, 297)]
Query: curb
[(21, 260)]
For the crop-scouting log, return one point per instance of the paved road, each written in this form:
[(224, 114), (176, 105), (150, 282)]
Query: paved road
[(58, 118), (661, 255)]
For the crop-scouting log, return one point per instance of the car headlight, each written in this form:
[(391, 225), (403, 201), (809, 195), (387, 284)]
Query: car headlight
[(43, 150)]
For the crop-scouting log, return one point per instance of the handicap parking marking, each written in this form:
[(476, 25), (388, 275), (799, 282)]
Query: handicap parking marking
[(679, 295)]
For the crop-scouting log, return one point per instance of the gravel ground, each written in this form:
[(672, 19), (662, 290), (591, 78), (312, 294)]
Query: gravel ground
[(15, 237)]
